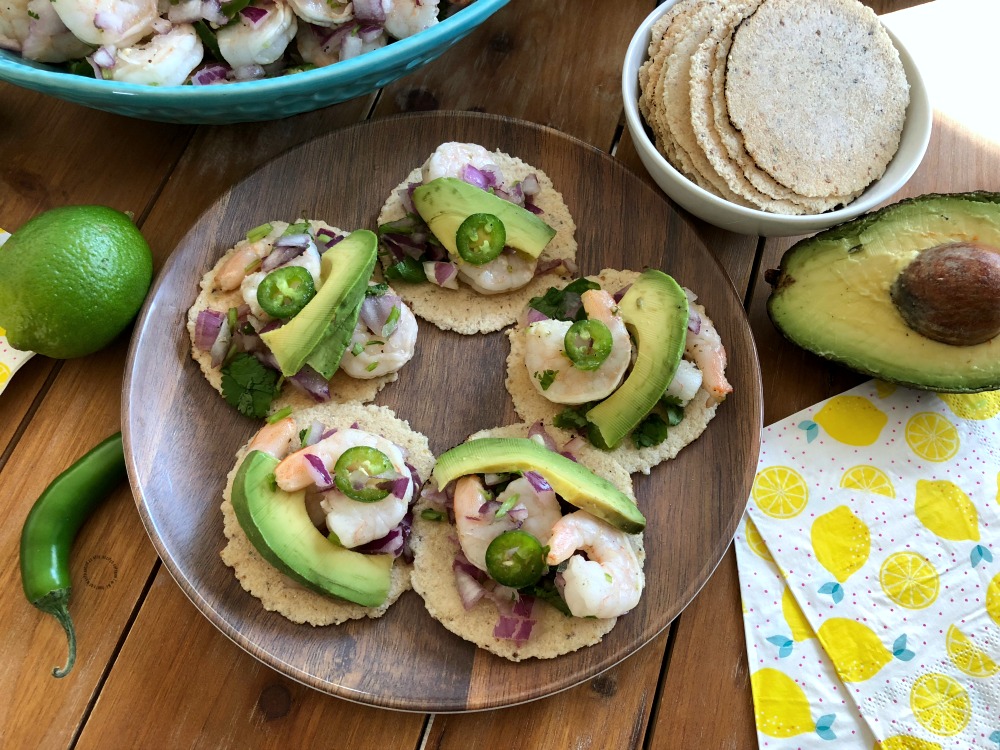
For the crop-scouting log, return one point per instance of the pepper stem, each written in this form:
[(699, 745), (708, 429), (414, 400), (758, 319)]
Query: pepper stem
[(57, 605)]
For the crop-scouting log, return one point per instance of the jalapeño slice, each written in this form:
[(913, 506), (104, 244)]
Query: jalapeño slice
[(285, 291), (588, 343), (515, 559), (358, 473), (480, 238)]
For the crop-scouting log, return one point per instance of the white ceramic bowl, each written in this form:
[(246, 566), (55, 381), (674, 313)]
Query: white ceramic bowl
[(722, 213)]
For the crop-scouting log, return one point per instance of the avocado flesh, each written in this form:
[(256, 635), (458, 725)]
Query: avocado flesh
[(655, 310), (573, 482), (345, 270), (278, 526), (831, 295), (446, 202)]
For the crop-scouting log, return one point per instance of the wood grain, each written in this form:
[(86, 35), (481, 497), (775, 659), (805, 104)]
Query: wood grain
[(441, 672)]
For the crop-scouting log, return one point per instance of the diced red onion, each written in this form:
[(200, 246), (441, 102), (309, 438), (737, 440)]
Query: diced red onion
[(530, 184), (391, 544), (221, 345), (282, 254), (415, 476), (524, 605), (535, 316), (488, 509), (328, 433), (210, 74), (370, 32), (272, 325), (254, 15), (406, 197), (375, 311), (518, 514), (537, 481), (694, 322), (538, 431), (474, 176), (531, 206), (355, 426), (312, 383), (494, 177), (301, 240), (400, 486), (317, 470), (573, 446), (432, 494), (553, 264), (267, 359), (207, 327), (331, 238), (104, 57), (351, 46), (107, 21), (442, 273), (211, 11), (369, 11), (621, 292), (312, 434), (470, 590)]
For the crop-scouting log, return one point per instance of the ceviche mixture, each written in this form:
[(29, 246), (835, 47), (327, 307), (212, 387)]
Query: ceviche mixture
[(205, 42)]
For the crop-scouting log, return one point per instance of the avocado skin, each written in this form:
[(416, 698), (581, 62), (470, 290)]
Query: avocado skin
[(572, 481), (655, 310), (833, 318), (278, 526), (324, 321), (446, 202)]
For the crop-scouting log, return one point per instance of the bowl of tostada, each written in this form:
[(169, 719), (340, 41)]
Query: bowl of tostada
[(773, 117)]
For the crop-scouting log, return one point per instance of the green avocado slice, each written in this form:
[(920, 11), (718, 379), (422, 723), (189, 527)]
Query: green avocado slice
[(655, 310), (446, 202), (346, 268), (573, 482), (831, 293), (278, 526)]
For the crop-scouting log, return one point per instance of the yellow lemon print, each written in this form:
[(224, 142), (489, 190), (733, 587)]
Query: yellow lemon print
[(946, 510), (966, 657), (756, 542), (856, 651), (3, 331), (797, 621), (853, 420), (883, 389), (780, 707), (902, 742), (931, 436), (909, 580), (993, 599), (998, 488), (940, 704), (780, 492), (841, 542), (973, 405), (868, 479), (4, 373)]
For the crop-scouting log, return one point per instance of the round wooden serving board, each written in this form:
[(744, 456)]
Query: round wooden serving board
[(181, 437)]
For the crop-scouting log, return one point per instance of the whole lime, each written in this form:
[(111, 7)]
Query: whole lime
[(72, 279)]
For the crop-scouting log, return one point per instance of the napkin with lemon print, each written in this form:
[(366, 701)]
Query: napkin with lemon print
[(870, 573)]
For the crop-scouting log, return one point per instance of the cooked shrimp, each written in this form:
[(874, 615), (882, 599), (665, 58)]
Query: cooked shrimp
[(353, 522), (405, 18), (706, 350), (245, 254), (509, 270), (245, 43), (14, 21), (323, 12), (48, 39), (165, 60), (607, 584), (319, 46), (448, 160), (113, 23), (687, 380), (476, 529), (371, 356), (275, 439), (545, 352)]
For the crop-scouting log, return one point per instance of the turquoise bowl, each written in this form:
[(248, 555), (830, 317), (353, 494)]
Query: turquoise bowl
[(251, 101)]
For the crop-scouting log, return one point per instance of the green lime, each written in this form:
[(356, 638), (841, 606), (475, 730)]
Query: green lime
[(72, 279)]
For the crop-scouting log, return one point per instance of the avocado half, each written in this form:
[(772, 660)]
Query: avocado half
[(833, 293)]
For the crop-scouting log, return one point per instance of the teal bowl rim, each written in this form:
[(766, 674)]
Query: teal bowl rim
[(44, 78)]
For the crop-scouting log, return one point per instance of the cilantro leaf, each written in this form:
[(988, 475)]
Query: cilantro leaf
[(674, 412), (564, 304), (545, 378), (377, 290), (546, 590), (650, 431), (572, 419), (249, 386)]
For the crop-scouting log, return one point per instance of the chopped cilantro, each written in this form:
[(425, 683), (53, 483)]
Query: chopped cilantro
[(674, 412), (564, 304), (650, 431), (572, 418), (429, 514), (233, 7), (545, 379), (32, 14), (546, 590), (377, 290), (249, 386)]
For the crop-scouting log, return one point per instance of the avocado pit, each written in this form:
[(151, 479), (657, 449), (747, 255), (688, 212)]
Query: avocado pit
[(951, 293)]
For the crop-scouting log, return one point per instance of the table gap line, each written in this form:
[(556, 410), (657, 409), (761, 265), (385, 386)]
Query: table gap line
[(758, 259), (30, 414), (425, 732), (647, 742), (167, 174)]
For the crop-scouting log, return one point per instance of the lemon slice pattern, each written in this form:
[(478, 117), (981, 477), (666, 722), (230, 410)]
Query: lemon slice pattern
[(932, 437), (966, 657), (905, 742), (780, 492), (868, 479), (909, 579), (756, 542), (940, 704)]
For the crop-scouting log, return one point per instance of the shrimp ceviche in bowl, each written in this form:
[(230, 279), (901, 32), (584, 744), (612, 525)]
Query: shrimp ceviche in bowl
[(291, 316), (204, 42), (525, 550), (472, 234), (631, 362)]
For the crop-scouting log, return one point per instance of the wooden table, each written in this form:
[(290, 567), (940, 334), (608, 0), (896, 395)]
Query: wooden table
[(152, 672)]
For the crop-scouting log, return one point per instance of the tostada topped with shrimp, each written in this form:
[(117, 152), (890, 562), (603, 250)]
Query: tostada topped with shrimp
[(317, 512), (291, 316), (629, 361), (469, 237), (526, 549)]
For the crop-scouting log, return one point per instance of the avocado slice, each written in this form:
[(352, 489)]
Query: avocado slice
[(345, 270), (573, 482), (278, 526), (833, 292), (446, 202), (655, 310)]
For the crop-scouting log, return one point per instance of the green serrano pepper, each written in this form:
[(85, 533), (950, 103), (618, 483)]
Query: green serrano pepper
[(51, 526)]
